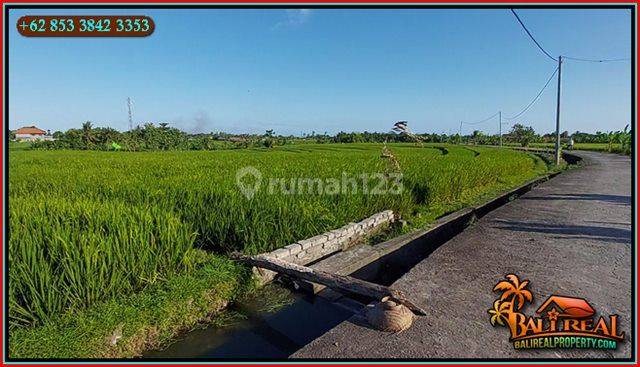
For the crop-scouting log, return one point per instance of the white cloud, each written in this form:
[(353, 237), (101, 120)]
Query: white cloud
[(295, 17)]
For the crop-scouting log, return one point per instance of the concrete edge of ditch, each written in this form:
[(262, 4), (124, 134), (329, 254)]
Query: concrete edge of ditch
[(312, 249), (396, 256)]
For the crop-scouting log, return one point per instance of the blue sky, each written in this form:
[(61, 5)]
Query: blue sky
[(295, 71)]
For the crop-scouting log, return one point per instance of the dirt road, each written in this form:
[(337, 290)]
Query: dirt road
[(570, 236)]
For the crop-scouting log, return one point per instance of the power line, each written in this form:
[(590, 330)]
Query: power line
[(566, 57), (477, 122), (596, 60), (535, 98), (557, 71), (531, 36), (481, 121)]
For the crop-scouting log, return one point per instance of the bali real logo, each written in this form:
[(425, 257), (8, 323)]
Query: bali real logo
[(560, 322)]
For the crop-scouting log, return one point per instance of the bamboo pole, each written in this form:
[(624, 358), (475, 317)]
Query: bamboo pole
[(339, 282)]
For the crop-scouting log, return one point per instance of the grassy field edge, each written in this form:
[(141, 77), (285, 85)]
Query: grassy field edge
[(142, 321)]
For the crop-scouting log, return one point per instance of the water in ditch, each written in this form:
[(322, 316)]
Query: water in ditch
[(273, 323), (276, 322)]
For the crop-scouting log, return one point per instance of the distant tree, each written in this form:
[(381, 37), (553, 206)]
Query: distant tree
[(600, 137), (624, 139), (611, 137), (478, 137), (522, 134), (268, 141), (87, 134), (105, 136)]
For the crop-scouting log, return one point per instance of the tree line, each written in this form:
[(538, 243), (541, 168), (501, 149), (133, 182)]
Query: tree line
[(151, 137)]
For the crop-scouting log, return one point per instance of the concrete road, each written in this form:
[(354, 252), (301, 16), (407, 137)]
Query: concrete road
[(569, 236)]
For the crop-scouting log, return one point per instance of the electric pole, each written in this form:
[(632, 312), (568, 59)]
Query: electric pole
[(500, 126), (130, 114), (558, 112), (460, 130)]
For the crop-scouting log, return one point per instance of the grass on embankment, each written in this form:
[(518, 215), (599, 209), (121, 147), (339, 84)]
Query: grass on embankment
[(594, 147), (137, 322)]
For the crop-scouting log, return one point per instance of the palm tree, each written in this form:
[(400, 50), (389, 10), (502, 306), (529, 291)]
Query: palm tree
[(515, 289), (87, 133)]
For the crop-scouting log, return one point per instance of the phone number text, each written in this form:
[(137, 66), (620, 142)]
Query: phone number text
[(85, 26)]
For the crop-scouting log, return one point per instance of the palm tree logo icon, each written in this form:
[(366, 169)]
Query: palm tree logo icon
[(560, 322), (499, 312), (513, 298)]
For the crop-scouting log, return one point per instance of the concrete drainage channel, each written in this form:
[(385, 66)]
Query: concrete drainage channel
[(315, 309), (386, 262)]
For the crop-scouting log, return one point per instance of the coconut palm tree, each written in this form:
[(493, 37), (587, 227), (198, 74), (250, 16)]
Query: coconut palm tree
[(87, 133), (516, 290)]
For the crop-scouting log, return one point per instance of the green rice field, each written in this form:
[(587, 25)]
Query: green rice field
[(89, 228)]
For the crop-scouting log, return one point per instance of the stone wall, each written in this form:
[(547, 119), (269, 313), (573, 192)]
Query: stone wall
[(311, 249)]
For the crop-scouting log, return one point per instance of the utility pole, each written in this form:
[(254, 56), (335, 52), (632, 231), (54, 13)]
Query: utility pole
[(460, 130), (558, 112), (500, 128), (130, 114)]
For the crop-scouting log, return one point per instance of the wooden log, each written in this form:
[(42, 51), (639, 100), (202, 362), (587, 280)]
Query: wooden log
[(340, 282)]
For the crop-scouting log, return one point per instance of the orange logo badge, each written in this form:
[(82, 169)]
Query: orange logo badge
[(560, 321)]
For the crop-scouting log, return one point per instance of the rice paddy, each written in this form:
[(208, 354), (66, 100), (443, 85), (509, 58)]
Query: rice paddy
[(87, 227)]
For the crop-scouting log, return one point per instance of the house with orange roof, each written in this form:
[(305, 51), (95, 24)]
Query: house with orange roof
[(31, 133)]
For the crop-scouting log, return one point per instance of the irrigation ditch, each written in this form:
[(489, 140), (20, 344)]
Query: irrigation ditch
[(288, 314)]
